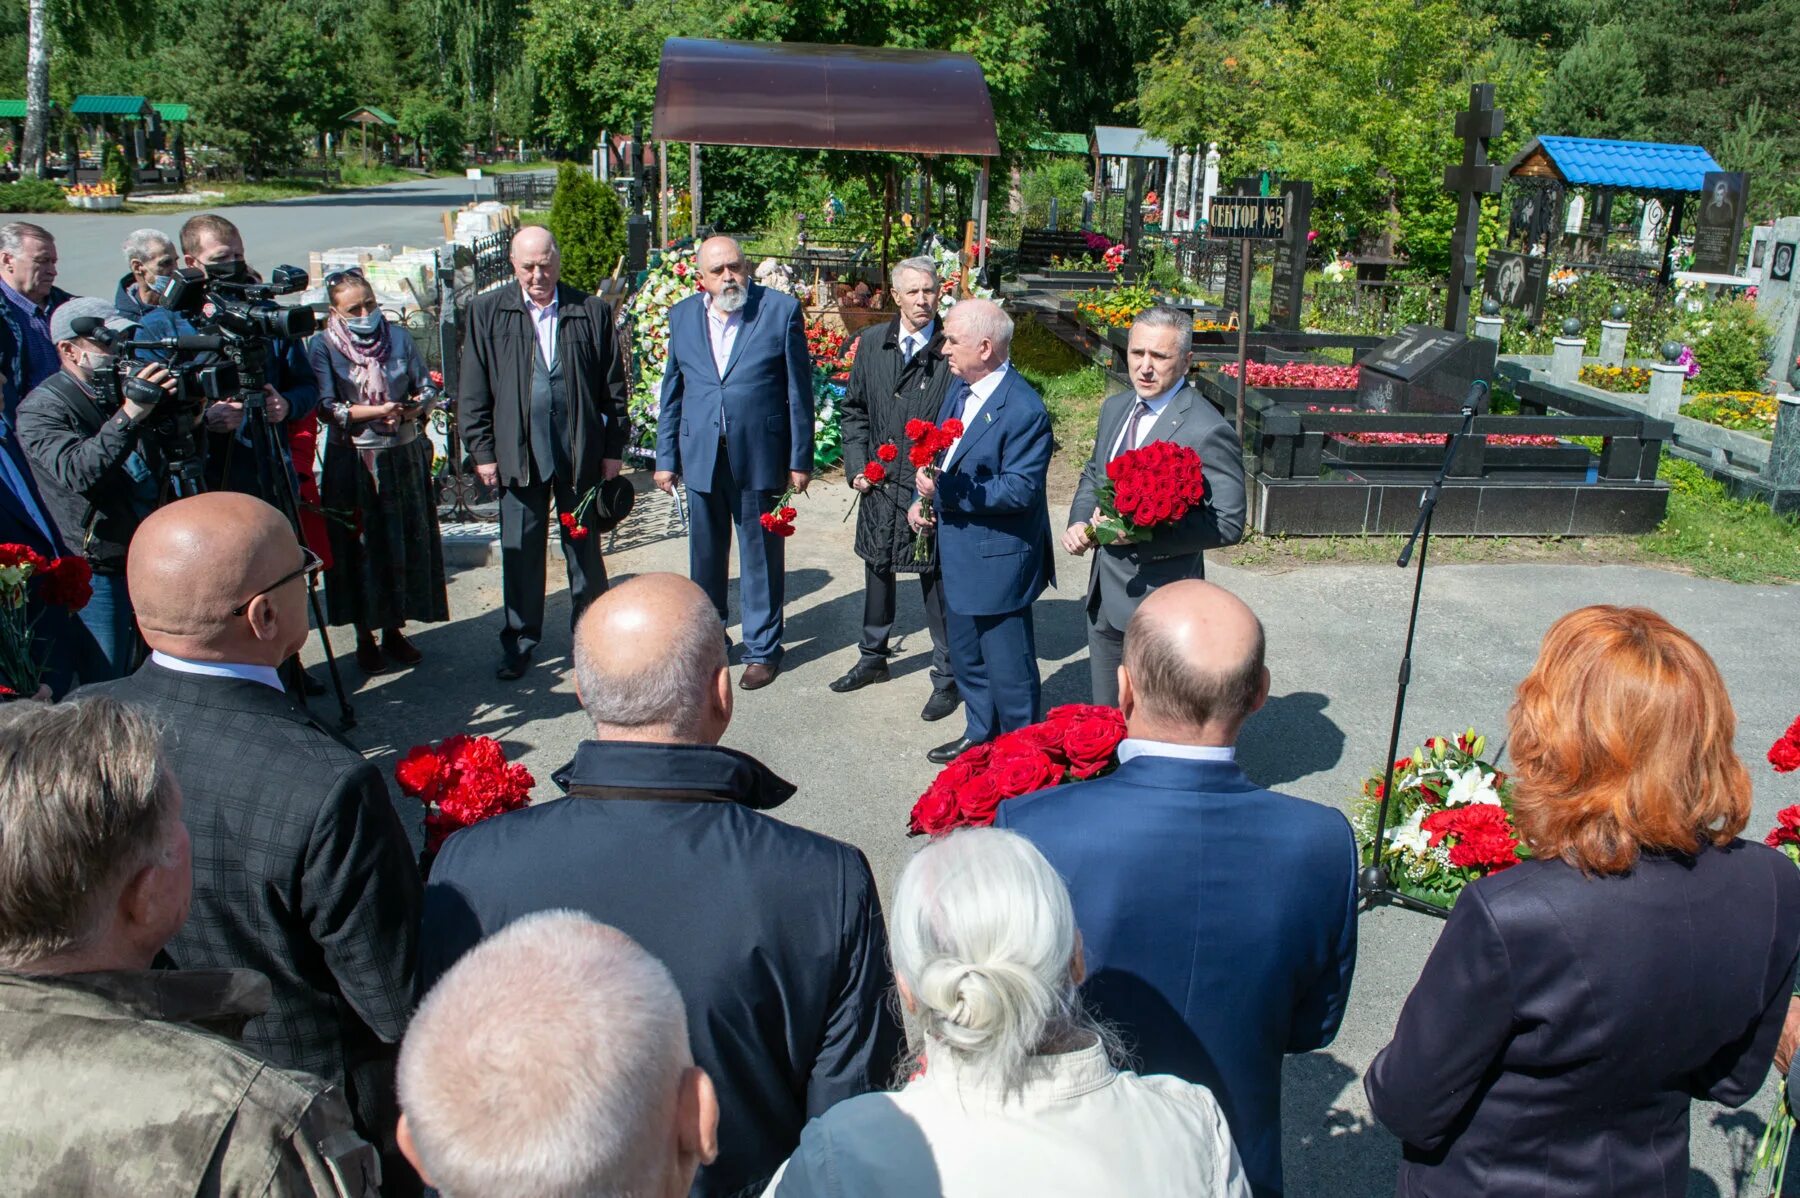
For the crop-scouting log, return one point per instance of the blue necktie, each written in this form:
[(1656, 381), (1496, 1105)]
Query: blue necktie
[(959, 397)]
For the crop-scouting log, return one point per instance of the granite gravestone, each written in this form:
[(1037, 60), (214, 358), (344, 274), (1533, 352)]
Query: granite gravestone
[(1234, 266), (1517, 281), (1719, 224), (1289, 281), (1424, 369)]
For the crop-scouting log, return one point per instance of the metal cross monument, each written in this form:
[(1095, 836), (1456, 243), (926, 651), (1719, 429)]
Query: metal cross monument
[(1472, 179)]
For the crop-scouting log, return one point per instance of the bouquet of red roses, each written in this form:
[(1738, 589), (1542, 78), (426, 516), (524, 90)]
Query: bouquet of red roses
[(66, 582), (929, 440), (462, 781), (1073, 743), (1147, 489)]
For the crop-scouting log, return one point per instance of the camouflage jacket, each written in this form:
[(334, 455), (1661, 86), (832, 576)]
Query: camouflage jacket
[(124, 1084)]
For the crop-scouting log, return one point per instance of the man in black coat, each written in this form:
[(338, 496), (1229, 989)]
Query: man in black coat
[(899, 375), (543, 414), (302, 870), (773, 934)]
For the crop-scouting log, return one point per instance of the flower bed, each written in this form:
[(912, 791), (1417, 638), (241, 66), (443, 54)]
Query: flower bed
[(1114, 307), (1523, 440), (1624, 379), (1745, 411), (1315, 376)]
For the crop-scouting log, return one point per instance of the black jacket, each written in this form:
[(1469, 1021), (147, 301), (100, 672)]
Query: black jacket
[(126, 300), (773, 934), (79, 457), (495, 385), (1564, 1024), (885, 391), (302, 872)]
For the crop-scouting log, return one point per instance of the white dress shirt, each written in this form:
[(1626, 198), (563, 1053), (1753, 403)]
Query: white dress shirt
[(543, 323), (1131, 747), (219, 669), (1078, 1126), (1156, 404), (912, 343), (979, 394), (722, 332)]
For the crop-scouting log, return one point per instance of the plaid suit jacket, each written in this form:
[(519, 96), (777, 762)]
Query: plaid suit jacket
[(302, 872)]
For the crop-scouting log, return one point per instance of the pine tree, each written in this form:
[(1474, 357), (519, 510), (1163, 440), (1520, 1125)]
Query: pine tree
[(589, 226)]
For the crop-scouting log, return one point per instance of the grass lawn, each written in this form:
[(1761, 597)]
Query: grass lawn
[(1072, 386)]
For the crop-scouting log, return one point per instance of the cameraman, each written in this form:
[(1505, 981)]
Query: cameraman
[(97, 474), (211, 243)]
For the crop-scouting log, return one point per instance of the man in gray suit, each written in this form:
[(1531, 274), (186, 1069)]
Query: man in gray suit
[(1159, 407)]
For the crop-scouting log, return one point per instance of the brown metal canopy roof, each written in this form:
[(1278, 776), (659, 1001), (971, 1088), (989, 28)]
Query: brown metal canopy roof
[(810, 97)]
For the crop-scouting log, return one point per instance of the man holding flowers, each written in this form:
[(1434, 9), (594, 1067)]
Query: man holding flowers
[(899, 376), (1159, 407)]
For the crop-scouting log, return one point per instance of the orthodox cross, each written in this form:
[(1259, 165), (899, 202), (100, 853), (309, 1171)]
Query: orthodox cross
[(1473, 178)]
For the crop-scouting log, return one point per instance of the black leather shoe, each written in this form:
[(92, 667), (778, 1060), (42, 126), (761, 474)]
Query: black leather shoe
[(945, 754), (861, 674), (943, 701), (513, 668)]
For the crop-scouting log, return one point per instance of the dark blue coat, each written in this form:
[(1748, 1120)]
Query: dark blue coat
[(763, 404), (1564, 1024), (993, 525), (1219, 923), (773, 934)]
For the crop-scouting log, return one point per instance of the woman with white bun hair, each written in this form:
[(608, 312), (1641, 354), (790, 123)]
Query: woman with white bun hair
[(1015, 1089)]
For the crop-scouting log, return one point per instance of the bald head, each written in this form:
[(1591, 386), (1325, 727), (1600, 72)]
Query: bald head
[(1193, 669), (650, 663), (193, 561), (536, 262), (723, 273)]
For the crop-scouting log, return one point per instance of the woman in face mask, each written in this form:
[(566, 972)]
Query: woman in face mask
[(387, 561)]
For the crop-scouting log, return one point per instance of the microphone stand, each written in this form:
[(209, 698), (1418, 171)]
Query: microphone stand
[(1374, 884)]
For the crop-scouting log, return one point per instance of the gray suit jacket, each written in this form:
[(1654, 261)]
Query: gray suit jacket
[(1121, 575)]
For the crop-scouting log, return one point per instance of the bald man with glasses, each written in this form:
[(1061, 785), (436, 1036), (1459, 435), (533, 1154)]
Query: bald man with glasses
[(302, 870)]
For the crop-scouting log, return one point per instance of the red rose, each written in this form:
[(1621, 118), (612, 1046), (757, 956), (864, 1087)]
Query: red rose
[(1784, 755), (934, 813), (875, 472), (68, 582), (1092, 746), (887, 453), (977, 796), (1022, 771), (418, 772)]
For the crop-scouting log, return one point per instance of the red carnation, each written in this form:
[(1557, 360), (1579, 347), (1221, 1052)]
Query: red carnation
[(22, 555), (769, 521), (418, 772), (916, 429), (1784, 755), (1786, 829), (875, 472), (68, 582), (952, 429), (887, 452)]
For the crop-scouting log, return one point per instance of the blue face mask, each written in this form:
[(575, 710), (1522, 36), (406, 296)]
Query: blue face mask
[(364, 326)]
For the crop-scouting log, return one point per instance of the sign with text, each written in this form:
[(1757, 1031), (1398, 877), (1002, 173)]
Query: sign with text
[(1719, 225), (1259, 218)]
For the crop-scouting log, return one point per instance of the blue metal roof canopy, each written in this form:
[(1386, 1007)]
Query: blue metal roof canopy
[(1644, 167)]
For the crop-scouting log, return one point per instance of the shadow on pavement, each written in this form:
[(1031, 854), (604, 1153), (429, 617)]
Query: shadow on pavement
[(1326, 1148), (1290, 738)]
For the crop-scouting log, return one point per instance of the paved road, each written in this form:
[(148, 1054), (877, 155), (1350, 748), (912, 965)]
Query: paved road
[(284, 231), (1334, 642)]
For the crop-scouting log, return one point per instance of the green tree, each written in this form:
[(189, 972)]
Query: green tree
[(250, 68), (589, 226), (1597, 88), (437, 130)]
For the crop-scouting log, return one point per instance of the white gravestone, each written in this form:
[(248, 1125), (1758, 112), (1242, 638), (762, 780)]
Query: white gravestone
[(1778, 297)]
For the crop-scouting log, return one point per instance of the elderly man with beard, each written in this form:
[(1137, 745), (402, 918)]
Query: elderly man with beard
[(736, 426), (900, 375)]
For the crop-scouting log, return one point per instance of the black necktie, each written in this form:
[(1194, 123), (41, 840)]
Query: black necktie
[(1128, 442)]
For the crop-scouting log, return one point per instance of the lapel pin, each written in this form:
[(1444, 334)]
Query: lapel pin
[(988, 416)]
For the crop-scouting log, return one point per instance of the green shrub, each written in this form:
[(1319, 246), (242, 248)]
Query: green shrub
[(438, 130), (1731, 344), (588, 224), (118, 171), (32, 195)]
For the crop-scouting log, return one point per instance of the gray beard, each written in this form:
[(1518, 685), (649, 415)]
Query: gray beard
[(731, 300)]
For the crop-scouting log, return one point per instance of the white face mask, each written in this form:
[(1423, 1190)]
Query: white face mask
[(364, 326)]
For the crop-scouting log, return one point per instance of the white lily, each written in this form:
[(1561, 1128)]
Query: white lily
[(1471, 785), (1410, 838)]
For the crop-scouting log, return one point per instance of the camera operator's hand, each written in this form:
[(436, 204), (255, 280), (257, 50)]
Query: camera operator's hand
[(488, 473), (275, 404), (157, 375), (225, 416)]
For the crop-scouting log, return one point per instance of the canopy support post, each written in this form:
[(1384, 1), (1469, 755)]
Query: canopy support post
[(694, 188), (981, 219), (662, 191)]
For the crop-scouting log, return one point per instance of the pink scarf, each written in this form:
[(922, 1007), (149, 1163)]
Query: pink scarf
[(368, 359)]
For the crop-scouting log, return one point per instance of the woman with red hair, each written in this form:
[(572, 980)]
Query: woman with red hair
[(1577, 1003)]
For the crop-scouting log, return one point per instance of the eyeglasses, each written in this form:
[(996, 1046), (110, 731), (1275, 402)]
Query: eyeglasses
[(310, 565)]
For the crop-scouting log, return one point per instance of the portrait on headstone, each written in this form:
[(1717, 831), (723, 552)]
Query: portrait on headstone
[(1781, 264), (1516, 281), (1720, 223)]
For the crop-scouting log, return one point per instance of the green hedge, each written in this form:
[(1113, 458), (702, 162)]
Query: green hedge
[(32, 195)]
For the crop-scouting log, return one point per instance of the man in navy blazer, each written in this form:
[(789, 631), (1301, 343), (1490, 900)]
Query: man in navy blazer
[(1218, 919), (993, 525), (735, 424), (62, 639)]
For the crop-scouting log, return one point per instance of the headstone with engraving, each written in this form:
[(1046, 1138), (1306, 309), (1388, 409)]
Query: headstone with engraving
[(1517, 281), (1425, 369), (1778, 298), (1719, 223), (1234, 267), (1288, 284)]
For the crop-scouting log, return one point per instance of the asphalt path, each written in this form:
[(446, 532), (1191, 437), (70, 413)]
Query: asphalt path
[(1334, 636), (283, 232)]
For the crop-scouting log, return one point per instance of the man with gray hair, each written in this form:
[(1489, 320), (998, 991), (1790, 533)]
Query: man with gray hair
[(595, 1093), (115, 1081), (29, 296), (1158, 407), (773, 934), (150, 255), (899, 376)]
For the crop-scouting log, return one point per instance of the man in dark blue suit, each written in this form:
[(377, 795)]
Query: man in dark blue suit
[(62, 640), (993, 525), (735, 423), (1218, 918)]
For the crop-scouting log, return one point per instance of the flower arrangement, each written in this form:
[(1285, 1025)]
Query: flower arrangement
[(1314, 376), (1114, 307), (1338, 271), (950, 278), (65, 582), (1784, 837), (1625, 379), (1534, 440), (1746, 411), (462, 781), (1113, 258), (1561, 280), (1146, 489), (1073, 743), (1449, 822)]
